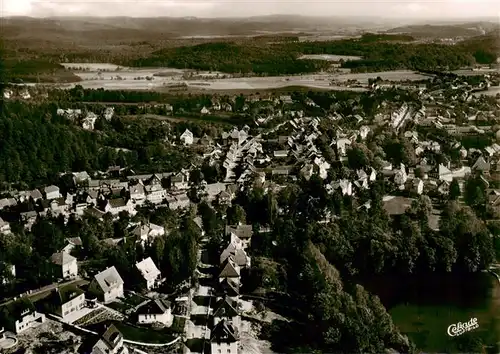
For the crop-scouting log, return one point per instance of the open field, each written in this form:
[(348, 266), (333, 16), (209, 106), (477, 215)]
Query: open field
[(165, 78), (329, 57)]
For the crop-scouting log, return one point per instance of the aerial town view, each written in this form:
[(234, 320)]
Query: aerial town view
[(239, 178)]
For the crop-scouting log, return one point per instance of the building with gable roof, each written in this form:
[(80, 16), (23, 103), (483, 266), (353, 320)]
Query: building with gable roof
[(150, 274), (111, 342), (224, 338), (65, 265), (107, 285)]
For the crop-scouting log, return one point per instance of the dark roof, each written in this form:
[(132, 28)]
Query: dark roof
[(61, 296), (224, 332), (226, 307), (14, 310), (242, 231), (229, 287), (158, 306), (118, 202), (112, 336), (228, 269)]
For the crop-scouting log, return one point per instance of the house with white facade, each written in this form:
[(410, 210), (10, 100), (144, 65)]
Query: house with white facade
[(148, 232), (137, 193), (4, 227), (107, 285), (187, 137), (52, 192), (89, 121), (226, 308), (20, 315), (155, 193), (117, 205), (65, 301), (111, 342), (156, 311), (224, 338), (65, 265), (150, 274)]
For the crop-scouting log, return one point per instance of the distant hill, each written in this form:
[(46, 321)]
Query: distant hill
[(448, 30)]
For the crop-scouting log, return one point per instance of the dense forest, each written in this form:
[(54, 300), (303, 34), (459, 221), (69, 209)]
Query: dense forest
[(36, 144), (263, 56), (378, 53)]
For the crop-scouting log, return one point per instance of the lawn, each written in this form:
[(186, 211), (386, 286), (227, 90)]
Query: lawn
[(146, 335), (427, 326), (136, 333)]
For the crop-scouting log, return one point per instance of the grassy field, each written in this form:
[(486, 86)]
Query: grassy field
[(427, 325)]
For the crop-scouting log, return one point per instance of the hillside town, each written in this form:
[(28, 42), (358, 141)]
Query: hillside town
[(124, 289)]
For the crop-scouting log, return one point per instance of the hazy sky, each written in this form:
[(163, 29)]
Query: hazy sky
[(408, 9)]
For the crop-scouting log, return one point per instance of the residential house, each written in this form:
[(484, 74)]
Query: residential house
[(226, 309), (243, 232), (109, 113), (89, 121), (180, 180), (8, 273), (4, 227), (71, 244), (137, 193), (417, 186), (280, 153), (150, 274), (117, 205), (444, 173), (224, 338), (238, 255), (111, 342), (204, 110), (64, 301), (65, 265), (342, 146), (156, 311), (7, 202), (148, 232), (20, 315), (230, 288), (178, 201), (213, 190), (29, 219), (35, 194), (52, 192), (400, 176), (229, 269), (107, 285), (155, 192), (481, 165), (187, 137)]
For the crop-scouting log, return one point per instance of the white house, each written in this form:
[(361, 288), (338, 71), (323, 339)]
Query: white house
[(89, 121), (137, 193), (4, 227), (155, 193), (52, 192), (111, 342), (65, 265), (20, 315), (156, 311), (151, 275), (204, 110), (108, 285), (116, 206), (65, 301), (71, 244), (187, 137), (108, 113), (226, 309), (224, 338), (149, 231)]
